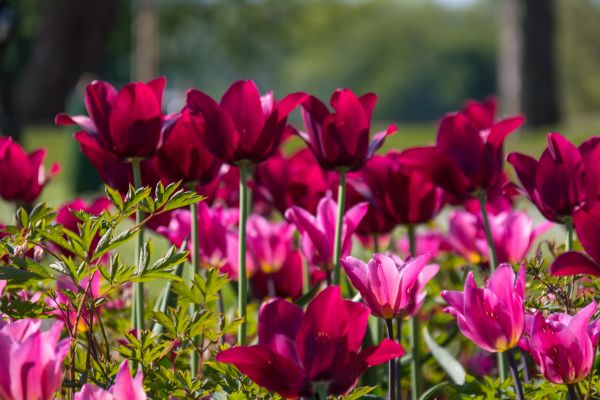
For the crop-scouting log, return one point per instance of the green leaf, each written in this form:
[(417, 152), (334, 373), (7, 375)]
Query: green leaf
[(453, 368), (432, 390), (181, 199), (308, 296), (108, 243), (17, 276), (114, 196)]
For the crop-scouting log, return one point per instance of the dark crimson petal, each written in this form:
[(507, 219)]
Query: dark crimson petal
[(368, 101), (501, 129), (587, 225), (286, 105), (574, 263), (525, 166), (242, 102), (268, 369), (278, 325), (99, 96)]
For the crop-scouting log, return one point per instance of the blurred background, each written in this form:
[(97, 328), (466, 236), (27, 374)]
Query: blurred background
[(422, 57)]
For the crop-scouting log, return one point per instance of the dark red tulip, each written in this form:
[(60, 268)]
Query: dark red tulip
[(297, 350), (183, 156), (403, 192), (375, 221), (244, 126), (23, 175), (291, 181), (126, 124), (564, 177), (468, 154), (586, 221), (340, 139), (287, 281)]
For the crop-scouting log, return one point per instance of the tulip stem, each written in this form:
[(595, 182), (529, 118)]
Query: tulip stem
[(194, 268), (416, 375), (337, 249), (375, 243), (242, 276), (392, 377), (572, 392), (569, 247), (137, 311), (493, 264), (514, 370)]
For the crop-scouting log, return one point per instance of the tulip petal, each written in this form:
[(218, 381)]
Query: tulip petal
[(286, 105), (587, 225), (501, 129), (574, 263), (268, 369), (242, 102), (278, 325)]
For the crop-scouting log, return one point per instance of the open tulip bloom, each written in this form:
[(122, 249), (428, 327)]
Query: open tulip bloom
[(299, 350)]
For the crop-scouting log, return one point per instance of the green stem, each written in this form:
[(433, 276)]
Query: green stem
[(393, 378), (137, 313), (242, 277), (195, 267), (375, 243), (493, 264), (572, 392), (514, 370), (416, 371), (337, 249), (569, 247), (305, 276)]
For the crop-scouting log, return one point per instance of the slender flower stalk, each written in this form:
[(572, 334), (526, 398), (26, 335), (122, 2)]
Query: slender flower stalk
[(493, 264), (416, 375), (572, 392), (569, 247), (194, 268), (393, 376), (337, 249), (242, 275), (137, 312), (514, 370)]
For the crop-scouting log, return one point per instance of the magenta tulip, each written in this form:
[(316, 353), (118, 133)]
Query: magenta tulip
[(23, 175), (391, 287), (291, 181), (492, 317), (269, 243), (126, 124), (432, 242), (124, 387), (318, 231), (564, 177), (386, 176), (31, 360), (298, 350), (183, 156), (468, 154), (586, 220), (513, 232), (562, 345), (285, 283), (244, 126), (340, 139)]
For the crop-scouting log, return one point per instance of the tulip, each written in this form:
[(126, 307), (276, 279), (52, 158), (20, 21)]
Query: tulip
[(123, 388), (564, 177), (285, 282), (269, 243), (31, 360), (422, 200), (513, 233), (298, 351), (244, 126), (562, 345), (340, 139), (291, 181), (587, 225), (23, 175), (318, 231), (492, 317), (391, 287), (3, 284), (183, 156), (468, 156), (126, 124)]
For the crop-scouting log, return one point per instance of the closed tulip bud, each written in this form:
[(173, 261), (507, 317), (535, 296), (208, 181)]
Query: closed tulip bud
[(492, 317)]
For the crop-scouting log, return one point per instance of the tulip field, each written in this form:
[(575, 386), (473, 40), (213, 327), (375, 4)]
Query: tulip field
[(237, 254)]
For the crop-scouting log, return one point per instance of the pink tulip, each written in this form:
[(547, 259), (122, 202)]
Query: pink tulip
[(492, 317), (297, 350), (125, 124), (124, 387), (318, 231), (513, 233), (23, 175), (31, 360), (214, 224), (269, 243), (562, 345), (2, 286), (390, 287), (427, 242)]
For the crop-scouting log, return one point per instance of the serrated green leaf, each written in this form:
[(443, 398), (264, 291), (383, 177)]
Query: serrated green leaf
[(114, 196)]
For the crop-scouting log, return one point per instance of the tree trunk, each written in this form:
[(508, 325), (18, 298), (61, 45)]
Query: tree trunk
[(509, 58), (71, 41), (145, 40), (540, 95)]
